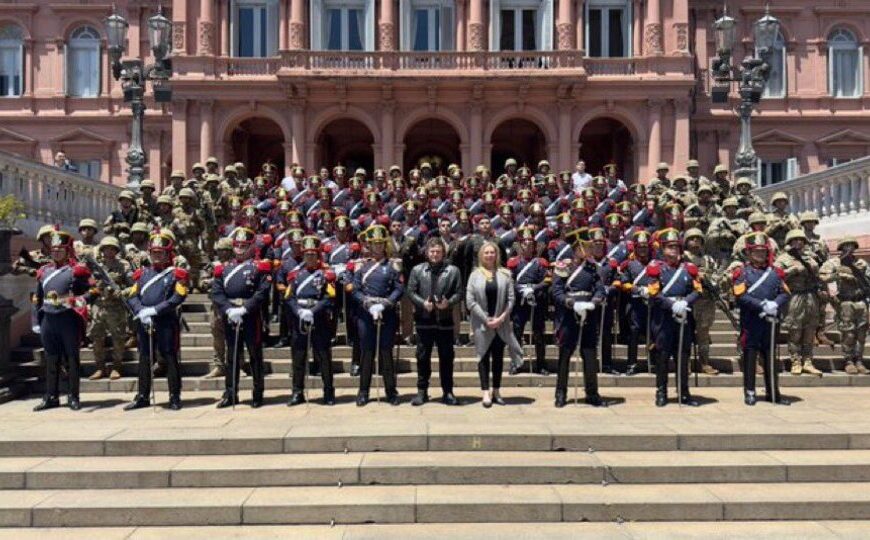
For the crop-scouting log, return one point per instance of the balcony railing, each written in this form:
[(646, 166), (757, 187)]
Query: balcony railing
[(52, 195), (611, 66), (431, 61), (832, 193)]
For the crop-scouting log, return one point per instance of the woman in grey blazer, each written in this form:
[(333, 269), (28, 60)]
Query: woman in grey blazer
[(490, 299)]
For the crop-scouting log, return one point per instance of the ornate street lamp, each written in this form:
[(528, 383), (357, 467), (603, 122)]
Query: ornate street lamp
[(751, 77), (134, 75)]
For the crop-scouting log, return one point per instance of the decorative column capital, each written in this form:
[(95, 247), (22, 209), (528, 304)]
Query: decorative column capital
[(386, 34), (475, 36), (655, 104), (682, 31), (565, 31), (653, 41), (179, 30), (297, 33), (206, 38)]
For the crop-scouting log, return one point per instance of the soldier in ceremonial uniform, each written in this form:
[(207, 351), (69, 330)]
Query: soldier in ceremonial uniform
[(239, 289), (531, 275), (632, 276), (607, 270), (59, 307), (309, 295), (848, 282), (673, 289), (108, 314), (761, 295), (577, 291), (377, 288), (156, 297), (804, 313)]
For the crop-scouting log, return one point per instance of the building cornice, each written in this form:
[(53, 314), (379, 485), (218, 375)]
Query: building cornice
[(18, 8), (86, 9)]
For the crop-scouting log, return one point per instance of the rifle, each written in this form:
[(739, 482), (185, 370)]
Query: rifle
[(720, 302), (27, 260), (101, 273), (862, 280)]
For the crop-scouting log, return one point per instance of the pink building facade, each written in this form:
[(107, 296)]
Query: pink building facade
[(375, 82)]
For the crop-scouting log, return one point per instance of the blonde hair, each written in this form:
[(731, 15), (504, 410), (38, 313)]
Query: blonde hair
[(485, 245)]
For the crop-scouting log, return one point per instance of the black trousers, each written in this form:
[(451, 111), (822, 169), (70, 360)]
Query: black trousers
[(165, 337), (495, 354), (590, 370), (771, 380), (61, 338), (661, 359), (251, 336), (367, 332), (318, 341), (427, 338)]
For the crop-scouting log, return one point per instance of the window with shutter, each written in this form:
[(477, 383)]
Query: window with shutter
[(776, 82), (83, 62), (11, 61), (844, 64), (254, 28), (608, 28)]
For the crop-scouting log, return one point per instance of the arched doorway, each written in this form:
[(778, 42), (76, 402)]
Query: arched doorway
[(519, 139), (347, 142), (255, 141), (603, 141), (432, 140)]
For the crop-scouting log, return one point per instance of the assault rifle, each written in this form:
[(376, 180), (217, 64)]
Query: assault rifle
[(720, 302)]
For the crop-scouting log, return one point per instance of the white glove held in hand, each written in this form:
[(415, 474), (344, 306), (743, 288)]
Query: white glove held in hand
[(306, 315), (769, 308), (36, 329), (680, 308), (146, 321), (146, 313), (376, 310), (643, 292)]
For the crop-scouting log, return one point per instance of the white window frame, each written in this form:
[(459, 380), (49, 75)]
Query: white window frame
[(12, 43), (543, 21), (790, 169), (271, 7), (92, 44), (852, 45), (319, 34), (608, 5), (447, 20), (780, 44), (835, 161), (89, 168)]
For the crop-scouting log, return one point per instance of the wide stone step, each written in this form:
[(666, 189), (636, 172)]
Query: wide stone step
[(434, 504), (428, 468)]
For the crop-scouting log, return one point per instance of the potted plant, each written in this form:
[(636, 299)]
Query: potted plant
[(11, 210)]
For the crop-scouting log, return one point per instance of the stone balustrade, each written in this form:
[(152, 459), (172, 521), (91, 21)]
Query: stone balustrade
[(52, 195), (839, 195)]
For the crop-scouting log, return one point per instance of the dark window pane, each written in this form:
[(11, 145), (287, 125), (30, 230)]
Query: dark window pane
[(246, 32), (594, 32), (506, 43), (437, 29), (616, 34), (529, 30), (354, 41), (333, 18), (263, 50), (421, 29)]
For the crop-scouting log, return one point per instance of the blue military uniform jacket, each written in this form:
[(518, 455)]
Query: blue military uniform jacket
[(528, 272), (241, 284), (164, 290), (59, 289), (312, 289), (751, 286), (573, 283), (377, 279), (667, 285)]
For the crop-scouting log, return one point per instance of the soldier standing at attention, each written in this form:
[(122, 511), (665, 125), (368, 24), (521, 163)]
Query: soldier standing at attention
[(531, 275), (108, 314), (156, 297), (704, 309), (224, 253), (88, 244), (188, 227), (780, 221), (761, 296), (239, 289), (126, 213), (848, 282), (59, 304)]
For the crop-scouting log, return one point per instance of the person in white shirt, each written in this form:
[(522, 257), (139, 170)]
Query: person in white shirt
[(580, 179)]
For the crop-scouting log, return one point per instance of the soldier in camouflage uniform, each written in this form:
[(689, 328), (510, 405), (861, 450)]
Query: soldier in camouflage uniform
[(210, 198), (126, 213), (747, 203), (88, 244), (163, 218), (176, 181), (757, 223), (678, 193), (147, 202), (29, 262), (694, 176), (136, 251), (704, 309), (802, 318), (233, 187), (780, 221), (721, 183), (701, 214), (820, 252), (108, 314), (661, 183), (848, 281), (188, 227), (224, 252)]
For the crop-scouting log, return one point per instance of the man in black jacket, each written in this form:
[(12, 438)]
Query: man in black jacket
[(434, 287)]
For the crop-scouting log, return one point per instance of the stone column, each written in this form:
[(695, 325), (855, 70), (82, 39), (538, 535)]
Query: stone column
[(206, 129), (179, 134), (579, 13), (653, 29), (476, 135), (282, 25), (387, 26), (179, 27), (297, 24), (205, 43), (681, 133), (564, 162), (288, 158), (681, 27), (476, 31), (134, 33), (655, 133), (387, 133), (297, 126), (565, 26), (460, 25)]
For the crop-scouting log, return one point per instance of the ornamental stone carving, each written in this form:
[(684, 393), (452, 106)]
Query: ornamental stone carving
[(682, 30), (297, 34), (653, 38), (565, 32), (385, 38), (178, 31), (475, 36), (206, 37)]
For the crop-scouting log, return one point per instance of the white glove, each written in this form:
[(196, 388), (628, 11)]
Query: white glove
[(680, 308), (339, 268), (769, 308), (580, 307), (146, 313), (146, 321), (36, 329), (306, 315), (376, 310), (235, 314), (643, 292)]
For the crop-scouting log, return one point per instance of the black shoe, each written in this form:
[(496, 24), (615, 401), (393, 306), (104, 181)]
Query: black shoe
[(421, 398), (74, 404), (175, 403), (246, 367), (46, 404), (139, 402), (281, 343), (595, 400), (329, 396), (513, 370), (298, 398), (498, 400), (780, 400), (610, 370), (561, 400), (542, 371), (449, 399), (354, 370), (661, 399), (362, 399), (393, 399), (689, 400), (749, 398), (227, 401), (631, 370)]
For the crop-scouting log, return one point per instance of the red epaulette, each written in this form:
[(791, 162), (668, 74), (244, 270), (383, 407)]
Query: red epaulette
[(613, 264), (513, 262), (267, 239), (692, 269), (330, 276), (80, 271), (653, 269), (779, 272), (181, 274), (264, 266), (736, 273), (553, 244), (218, 270), (543, 262)]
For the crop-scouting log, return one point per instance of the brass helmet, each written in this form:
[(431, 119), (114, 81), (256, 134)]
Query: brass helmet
[(795, 234), (109, 241), (809, 217), (845, 241), (778, 196)]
